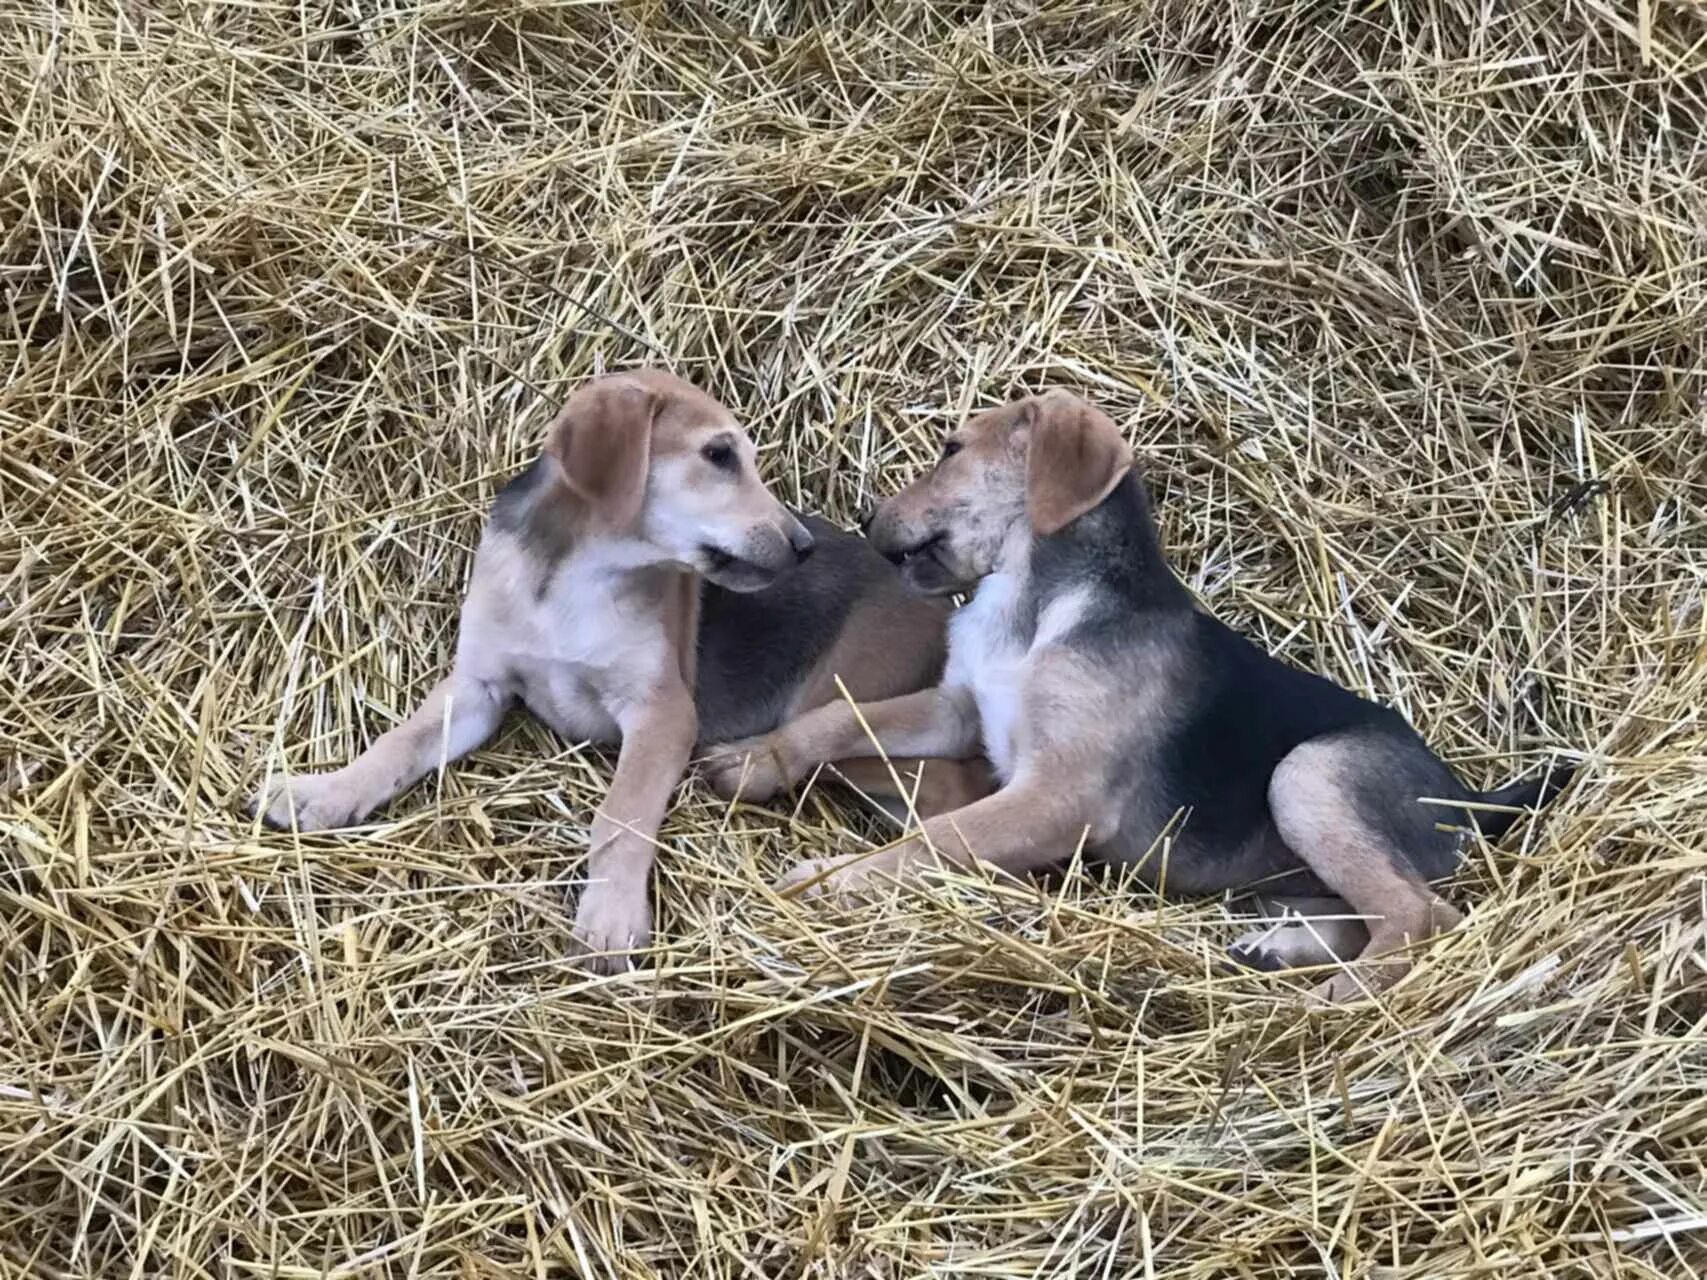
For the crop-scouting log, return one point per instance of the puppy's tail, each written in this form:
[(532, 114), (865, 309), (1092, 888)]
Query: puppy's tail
[(1535, 793)]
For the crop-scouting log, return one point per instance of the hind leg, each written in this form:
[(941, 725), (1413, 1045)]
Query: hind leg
[(1300, 933), (1347, 806)]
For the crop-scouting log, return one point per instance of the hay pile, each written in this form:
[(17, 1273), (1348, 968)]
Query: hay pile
[(1404, 306)]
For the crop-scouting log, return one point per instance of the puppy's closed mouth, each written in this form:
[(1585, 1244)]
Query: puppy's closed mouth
[(924, 547), (923, 568), (729, 570)]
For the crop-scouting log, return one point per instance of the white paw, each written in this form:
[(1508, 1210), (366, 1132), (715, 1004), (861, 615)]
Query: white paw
[(827, 877), (1252, 950), (747, 770), (318, 801), (613, 924), (803, 879)]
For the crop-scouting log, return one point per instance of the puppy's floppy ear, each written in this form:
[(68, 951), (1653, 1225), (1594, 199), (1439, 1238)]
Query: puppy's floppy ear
[(602, 441), (1075, 459)]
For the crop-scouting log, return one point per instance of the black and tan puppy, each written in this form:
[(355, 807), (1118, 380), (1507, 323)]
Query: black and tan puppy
[(640, 584), (1115, 712)]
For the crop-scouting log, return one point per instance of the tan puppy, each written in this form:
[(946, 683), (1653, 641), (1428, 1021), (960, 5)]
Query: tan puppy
[(1117, 714), (639, 584)]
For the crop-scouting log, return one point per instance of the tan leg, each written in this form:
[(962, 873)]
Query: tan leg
[(1021, 828), (933, 786), (1412, 918), (615, 912), (457, 716), (892, 644), (932, 722)]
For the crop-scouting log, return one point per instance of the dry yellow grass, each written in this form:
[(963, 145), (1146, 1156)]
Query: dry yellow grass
[(1403, 305)]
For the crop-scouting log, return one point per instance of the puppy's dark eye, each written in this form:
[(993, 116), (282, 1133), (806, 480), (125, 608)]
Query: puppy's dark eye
[(949, 449), (720, 455)]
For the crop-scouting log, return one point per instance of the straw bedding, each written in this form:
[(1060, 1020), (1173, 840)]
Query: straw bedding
[(1401, 304)]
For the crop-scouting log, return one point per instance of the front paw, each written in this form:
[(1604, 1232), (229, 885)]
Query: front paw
[(613, 924), (314, 801), (849, 877), (816, 877), (753, 769)]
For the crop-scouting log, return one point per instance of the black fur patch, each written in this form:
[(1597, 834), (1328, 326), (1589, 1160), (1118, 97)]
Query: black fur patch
[(538, 526), (756, 648), (1114, 549), (510, 508), (1232, 714)]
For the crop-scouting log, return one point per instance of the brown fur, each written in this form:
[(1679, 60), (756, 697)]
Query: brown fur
[(1109, 708), (602, 441), (924, 786), (585, 604), (1308, 797), (1075, 459), (892, 644)]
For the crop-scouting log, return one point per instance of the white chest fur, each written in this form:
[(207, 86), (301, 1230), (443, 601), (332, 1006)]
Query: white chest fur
[(987, 654), (588, 644), (992, 652)]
